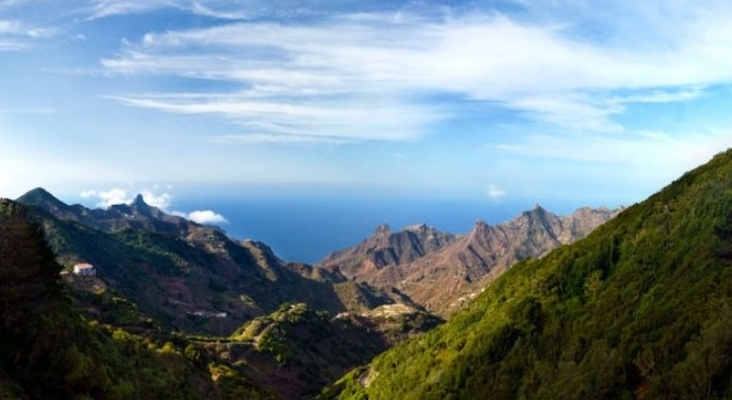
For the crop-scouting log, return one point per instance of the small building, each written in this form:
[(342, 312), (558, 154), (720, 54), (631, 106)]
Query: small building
[(84, 269)]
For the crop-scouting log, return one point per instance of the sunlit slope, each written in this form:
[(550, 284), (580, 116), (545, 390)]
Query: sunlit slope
[(642, 308), (48, 351)]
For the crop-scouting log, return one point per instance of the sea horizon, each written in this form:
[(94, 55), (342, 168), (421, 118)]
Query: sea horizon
[(306, 229)]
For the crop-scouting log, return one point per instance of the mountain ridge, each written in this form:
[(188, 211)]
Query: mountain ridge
[(176, 269), (463, 263), (385, 248)]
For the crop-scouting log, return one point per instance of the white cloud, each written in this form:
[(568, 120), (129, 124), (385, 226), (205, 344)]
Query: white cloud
[(202, 9), (17, 35), (214, 9), (159, 200), (108, 8), (575, 112), (207, 217), (496, 192), (9, 27), (661, 96), (295, 121), (18, 28), (10, 36), (153, 197), (203, 217), (6, 45), (40, 33), (108, 198)]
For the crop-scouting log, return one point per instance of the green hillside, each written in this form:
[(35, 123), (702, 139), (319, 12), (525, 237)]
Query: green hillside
[(48, 351), (126, 318), (180, 275), (642, 308)]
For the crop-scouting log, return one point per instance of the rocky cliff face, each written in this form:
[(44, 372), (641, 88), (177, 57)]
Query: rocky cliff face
[(385, 249), (455, 269)]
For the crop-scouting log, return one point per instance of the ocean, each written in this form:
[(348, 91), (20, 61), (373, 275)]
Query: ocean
[(306, 230)]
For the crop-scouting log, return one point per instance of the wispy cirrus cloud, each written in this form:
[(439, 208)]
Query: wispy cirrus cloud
[(107, 8), (304, 120), (12, 35), (10, 27), (224, 10), (19, 34), (650, 153), (575, 84), (385, 72)]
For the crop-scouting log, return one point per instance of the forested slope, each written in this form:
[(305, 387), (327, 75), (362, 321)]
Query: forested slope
[(641, 308), (48, 351)]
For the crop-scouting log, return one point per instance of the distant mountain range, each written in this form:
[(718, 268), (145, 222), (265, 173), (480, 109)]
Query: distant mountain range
[(442, 271), (182, 273)]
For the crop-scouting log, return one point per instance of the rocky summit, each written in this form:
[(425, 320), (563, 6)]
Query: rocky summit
[(441, 271)]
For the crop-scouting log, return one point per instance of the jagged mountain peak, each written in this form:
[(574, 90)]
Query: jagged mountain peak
[(386, 248), (444, 276), (137, 214), (480, 227), (418, 228), (537, 212), (139, 201), (139, 205), (383, 229)]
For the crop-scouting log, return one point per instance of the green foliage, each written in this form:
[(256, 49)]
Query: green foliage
[(47, 351), (639, 309), (234, 386), (306, 347)]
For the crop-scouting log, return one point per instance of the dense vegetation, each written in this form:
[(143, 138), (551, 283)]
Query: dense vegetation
[(48, 351), (117, 350), (642, 308), (296, 350)]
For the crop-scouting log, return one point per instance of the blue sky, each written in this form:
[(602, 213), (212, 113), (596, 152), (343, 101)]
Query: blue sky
[(588, 102)]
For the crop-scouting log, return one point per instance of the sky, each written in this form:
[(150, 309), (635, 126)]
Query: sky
[(587, 102)]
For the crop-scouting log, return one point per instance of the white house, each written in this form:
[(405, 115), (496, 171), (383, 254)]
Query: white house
[(84, 269)]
